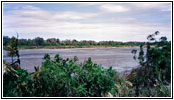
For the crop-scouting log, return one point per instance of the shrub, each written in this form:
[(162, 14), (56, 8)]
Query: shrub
[(156, 66), (63, 77), (60, 78), (16, 83)]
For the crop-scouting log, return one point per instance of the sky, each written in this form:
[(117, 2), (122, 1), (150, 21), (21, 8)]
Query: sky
[(114, 21)]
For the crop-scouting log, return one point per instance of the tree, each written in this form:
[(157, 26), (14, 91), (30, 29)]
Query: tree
[(6, 40), (51, 41), (157, 59), (58, 41), (74, 42), (13, 51), (23, 41), (39, 41)]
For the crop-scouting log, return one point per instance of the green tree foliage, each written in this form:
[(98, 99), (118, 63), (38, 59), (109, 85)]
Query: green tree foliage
[(13, 51), (156, 65), (87, 79), (52, 41), (16, 83), (6, 40), (38, 41), (61, 77)]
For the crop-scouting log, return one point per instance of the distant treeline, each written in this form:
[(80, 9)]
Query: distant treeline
[(38, 41)]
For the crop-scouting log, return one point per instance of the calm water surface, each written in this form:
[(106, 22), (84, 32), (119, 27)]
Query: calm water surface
[(121, 59)]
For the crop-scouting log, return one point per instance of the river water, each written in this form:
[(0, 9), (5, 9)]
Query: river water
[(121, 59)]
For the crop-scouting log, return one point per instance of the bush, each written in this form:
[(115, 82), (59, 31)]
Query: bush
[(16, 83), (156, 67), (61, 77)]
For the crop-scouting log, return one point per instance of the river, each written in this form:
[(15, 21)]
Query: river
[(121, 59)]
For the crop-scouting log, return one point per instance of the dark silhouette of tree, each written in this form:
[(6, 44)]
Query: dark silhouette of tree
[(6, 40), (51, 41), (58, 41), (13, 51), (39, 41)]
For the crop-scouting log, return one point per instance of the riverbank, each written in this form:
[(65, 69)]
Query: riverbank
[(67, 47)]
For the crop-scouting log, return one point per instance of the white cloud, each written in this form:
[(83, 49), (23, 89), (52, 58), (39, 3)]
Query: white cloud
[(31, 22), (147, 6), (88, 4), (87, 31), (113, 8), (74, 15), (128, 7), (29, 7), (30, 11)]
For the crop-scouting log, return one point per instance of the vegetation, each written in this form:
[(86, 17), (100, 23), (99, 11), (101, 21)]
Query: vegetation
[(39, 42), (13, 52), (60, 77), (65, 78), (154, 77)]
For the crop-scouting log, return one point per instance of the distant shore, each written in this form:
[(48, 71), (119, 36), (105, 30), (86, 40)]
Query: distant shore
[(66, 47)]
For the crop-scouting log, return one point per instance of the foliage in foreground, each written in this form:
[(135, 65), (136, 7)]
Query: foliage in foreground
[(60, 77), (153, 78)]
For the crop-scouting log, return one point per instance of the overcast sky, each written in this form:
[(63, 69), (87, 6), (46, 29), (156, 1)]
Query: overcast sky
[(87, 21)]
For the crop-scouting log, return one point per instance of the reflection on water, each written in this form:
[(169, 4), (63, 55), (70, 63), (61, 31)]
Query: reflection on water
[(120, 59)]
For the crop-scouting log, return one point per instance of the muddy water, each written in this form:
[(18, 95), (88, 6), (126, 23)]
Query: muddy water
[(121, 59)]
